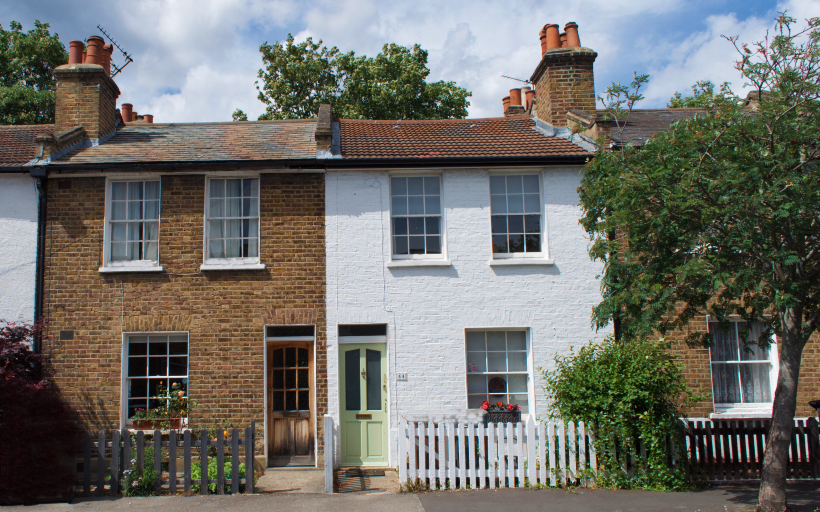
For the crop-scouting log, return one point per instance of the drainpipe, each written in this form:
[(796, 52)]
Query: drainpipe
[(39, 174)]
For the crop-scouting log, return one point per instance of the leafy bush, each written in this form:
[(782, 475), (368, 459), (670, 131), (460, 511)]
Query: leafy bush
[(627, 393), (140, 483), (196, 474)]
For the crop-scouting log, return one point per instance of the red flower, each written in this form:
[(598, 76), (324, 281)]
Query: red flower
[(500, 404), (485, 406), (511, 407)]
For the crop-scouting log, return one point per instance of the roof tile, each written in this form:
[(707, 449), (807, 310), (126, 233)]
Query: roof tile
[(17, 145)]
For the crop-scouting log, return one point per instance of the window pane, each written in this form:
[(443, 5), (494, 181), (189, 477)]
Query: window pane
[(374, 379), (215, 228), (725, 343), (253, 228), (475, 340), (290, 379), (303, 381), (415, 205), (250, 187), (246, 224), (398, 186), (151, 190), (516, 243), (517, 383), (497, 185), (216, 249), (118, 191), (497, 384), (233, 249), (500, 243), (178, 347), (278, 379), (279, 401), (532, 203), (118, 210), (431, 185), (520, 400), (416, 225), (476, 384), (137, 366), (516, 340), (499, 223), (755, 352), (302, 355), (233, 188), (755, 382), (134, 210), (137, 388), (118, 252), (400, 245), (476, 362), (725, 385), (496, 340), (233, 228), (517, 361), (290, 400), (290, 357), (133, 251), (400, 226), (253, 248), (352, 381), (498, 204), (415, 186), (137, 349), (515, 223), (416, 244), (515, 203), (532, 224), (151, 209), (304, 401), (217, 208), (151, 230), (233, 207), (134, 231), (151, 251), (531, 183), (157, 366), (514, 185), (278, 358), (118, 232), (433, 245), (432, 205), (178, 366), (533, 243), (496, 362), (400, 205), (134, 190), (475, 401), (217, 188)]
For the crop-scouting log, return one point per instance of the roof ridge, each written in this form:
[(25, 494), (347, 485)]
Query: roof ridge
[(434, 121)]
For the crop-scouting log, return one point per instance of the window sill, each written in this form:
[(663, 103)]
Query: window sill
[(122, 270), (729, 414), (510, 262), (228, 266), (418, 263)]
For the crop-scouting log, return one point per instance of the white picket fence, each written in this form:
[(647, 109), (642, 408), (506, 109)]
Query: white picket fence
[(470, 455)]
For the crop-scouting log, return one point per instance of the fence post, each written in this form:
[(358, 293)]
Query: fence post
[(141, 451), (115, 461), (235, 461), (126, 450), (814, 449), (249, 442), (101, 463), (220, 461), (186, 447), (203, 461), (172, 462), (329, 453), (158, 459)]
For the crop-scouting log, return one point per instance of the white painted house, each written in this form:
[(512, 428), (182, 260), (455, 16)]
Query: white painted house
[(19, 197), (452, 278)]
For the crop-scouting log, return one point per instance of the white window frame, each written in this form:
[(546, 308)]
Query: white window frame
[(125, 422), (541, 257), (744, 410), (242, 263), (530, 380), (109, 266), (443, 224)]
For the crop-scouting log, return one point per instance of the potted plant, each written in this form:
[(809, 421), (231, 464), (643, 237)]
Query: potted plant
[(174, 407), (498, 412)]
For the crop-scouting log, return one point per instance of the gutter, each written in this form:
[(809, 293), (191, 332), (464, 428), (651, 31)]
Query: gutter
[(41, 175)]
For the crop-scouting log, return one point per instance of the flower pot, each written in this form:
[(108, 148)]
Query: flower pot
[(175, 423), (502, 417)]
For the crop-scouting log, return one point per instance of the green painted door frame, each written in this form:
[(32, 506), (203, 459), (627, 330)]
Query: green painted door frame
[(364, 424)]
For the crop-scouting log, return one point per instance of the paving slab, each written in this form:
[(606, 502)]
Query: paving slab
[(291, 480)]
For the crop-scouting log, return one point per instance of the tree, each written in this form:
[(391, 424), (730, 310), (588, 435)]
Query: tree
[(27, 62), (239, 115), (722, 213), (703, 92), (297, 78)]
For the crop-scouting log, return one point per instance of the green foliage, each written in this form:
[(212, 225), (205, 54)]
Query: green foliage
[(140, 482), (631, 392), (27, 62), (297, 78), (196, 474), (721, 212), (703, 94), (239, 115)]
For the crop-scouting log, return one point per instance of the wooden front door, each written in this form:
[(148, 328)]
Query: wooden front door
[(290, 405), (364, 404)]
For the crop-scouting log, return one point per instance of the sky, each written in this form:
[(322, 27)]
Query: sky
[(197, 60)]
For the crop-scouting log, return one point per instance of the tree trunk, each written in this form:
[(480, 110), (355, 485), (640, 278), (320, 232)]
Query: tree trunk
[(772, 497)]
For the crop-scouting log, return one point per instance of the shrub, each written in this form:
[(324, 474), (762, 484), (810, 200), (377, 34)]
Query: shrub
[(196, 474), (38, 432), (140, 482), (627, 393)]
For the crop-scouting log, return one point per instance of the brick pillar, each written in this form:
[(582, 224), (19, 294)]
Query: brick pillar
[(563, 81), (87, 97)]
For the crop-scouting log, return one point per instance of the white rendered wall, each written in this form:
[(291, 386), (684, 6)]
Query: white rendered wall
[(427, 309), (18, 246)]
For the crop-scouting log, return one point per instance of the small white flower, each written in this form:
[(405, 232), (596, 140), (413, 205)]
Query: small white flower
[(133, 484)]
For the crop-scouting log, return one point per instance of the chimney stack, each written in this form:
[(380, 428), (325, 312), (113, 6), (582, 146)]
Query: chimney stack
[(563, 80), (85, 96)]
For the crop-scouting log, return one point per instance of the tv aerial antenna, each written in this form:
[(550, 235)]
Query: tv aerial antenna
[(518, 79), (128, 60)]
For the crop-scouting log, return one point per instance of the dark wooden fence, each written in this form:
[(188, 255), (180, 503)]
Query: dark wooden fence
[(111, 455), (733, 450)]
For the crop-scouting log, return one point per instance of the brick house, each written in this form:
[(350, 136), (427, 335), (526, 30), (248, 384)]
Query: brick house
[(190, 254)]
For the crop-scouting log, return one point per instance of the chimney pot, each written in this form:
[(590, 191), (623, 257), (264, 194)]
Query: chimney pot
[(553, 39), (571, 30), (75, 52), (506, 102), (94, 54), (106, 64), (515, 97), (133, 116), (564, 40), (528, 94), (148, 118), (126, 111)]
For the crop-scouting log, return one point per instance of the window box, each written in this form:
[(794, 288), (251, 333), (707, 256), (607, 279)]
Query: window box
[(175, 424), (502, 417)]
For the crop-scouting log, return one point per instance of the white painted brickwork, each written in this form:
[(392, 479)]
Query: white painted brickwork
[(427, 309), (18, 246)]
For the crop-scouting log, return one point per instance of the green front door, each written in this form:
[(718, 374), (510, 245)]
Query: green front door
[(364, 404)]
